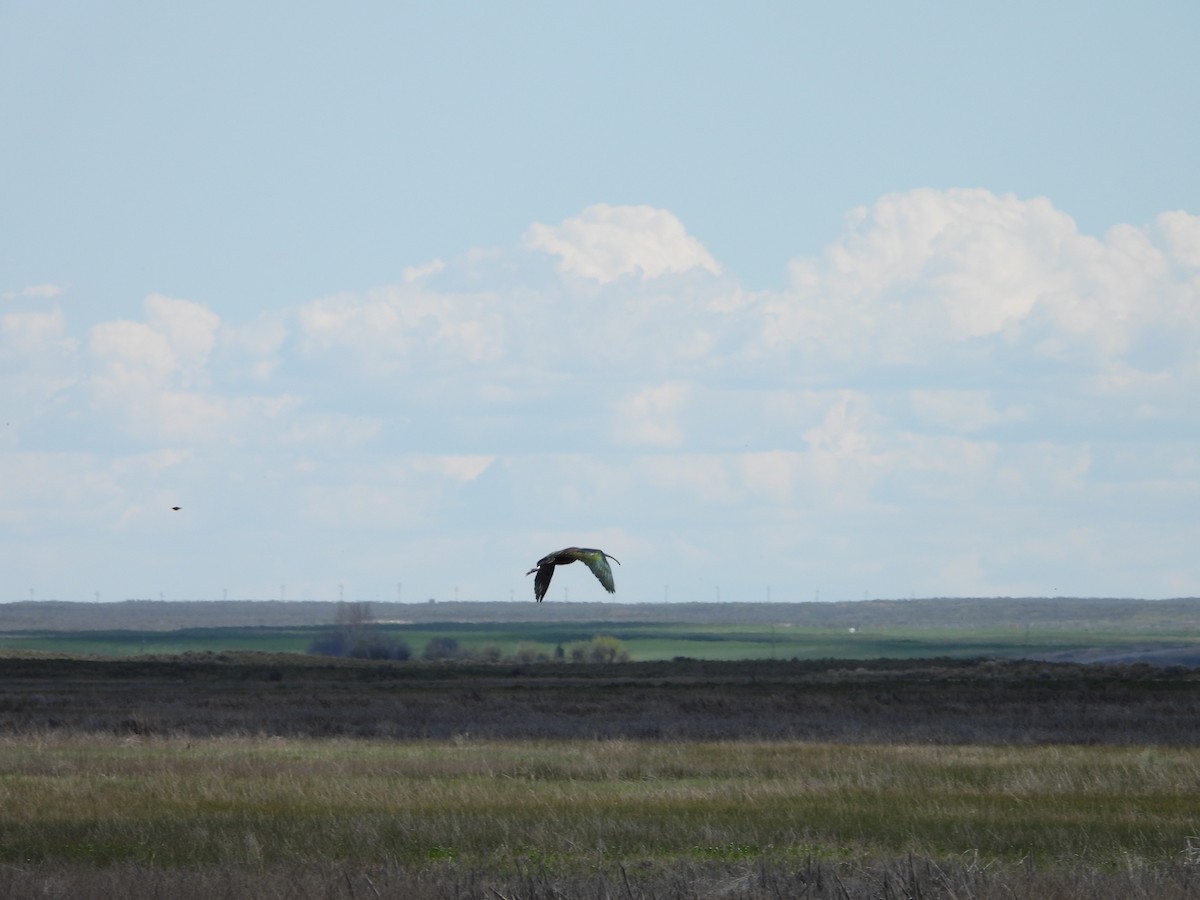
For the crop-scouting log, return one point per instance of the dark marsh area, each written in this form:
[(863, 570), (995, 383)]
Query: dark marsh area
[(852, 701)]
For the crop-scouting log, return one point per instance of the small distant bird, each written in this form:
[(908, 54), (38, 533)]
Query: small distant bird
[(177, 508), (597, 561)]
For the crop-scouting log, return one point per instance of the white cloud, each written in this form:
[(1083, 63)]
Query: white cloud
[(393, 329), (923, 274), (407, 492), (416, 273), (255, 349), (606, 242), (131, 353), (171, 346), (324, 429), (704, 477), (959, 378), (960, 411), (36, 291), (190, 329), (33, 336), (773, 473), (1182, 234), (651, 416), (457, 468), (155, 378)]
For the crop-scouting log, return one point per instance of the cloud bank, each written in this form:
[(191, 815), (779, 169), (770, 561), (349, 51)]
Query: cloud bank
[(961, 394)]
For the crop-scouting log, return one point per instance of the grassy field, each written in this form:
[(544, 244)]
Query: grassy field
[(732, 815), (643, 641), (247, 800), (250, 774)]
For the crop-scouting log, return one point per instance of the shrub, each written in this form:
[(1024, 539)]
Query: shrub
[(380, 647), (527, 653), (603, 648), (491, 653), (443, 648), (347, 643), (334, 643)]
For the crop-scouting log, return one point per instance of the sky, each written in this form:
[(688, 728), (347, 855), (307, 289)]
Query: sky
[(771, 301)]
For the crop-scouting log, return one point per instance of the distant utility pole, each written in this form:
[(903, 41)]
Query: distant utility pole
[(283, 592), (341, 594), (224, 593)]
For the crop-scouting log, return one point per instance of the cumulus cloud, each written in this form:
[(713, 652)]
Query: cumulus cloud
[(605, 242), (254, 350), (36, 291), (417, 273), (651, 416), (960, 411), (956, 380), (190, 330), (154, 376), (392, 329), (929, 273), (1182, 234), (172, 345), (401, 493), (33, 336)]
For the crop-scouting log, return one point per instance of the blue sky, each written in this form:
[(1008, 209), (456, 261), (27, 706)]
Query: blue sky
[(859, 299)]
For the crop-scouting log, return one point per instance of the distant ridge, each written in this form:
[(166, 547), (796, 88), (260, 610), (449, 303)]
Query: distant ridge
[(1101, 615)]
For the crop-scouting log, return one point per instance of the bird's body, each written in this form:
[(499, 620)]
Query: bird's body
[(596, 560)]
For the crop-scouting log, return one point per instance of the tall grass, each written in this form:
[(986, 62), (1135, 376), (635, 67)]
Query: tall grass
[(165, 802), (292, 777)]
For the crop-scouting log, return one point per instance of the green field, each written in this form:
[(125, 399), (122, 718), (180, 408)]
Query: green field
[(643, 641), (724, 813)]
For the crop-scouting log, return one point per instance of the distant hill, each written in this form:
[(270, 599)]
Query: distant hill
[(1100, 615)]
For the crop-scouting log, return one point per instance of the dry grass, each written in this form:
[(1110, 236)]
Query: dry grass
[(246, 776), (440, 816), (906, 877)]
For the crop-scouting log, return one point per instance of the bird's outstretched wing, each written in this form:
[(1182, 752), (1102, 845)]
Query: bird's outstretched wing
[(541, 581), (597, 561)]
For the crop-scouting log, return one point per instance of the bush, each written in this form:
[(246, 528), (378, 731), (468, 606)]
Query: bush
[(603, 648), (491, 653), (527, 653), (347, 643), (380, 647), (443, 648), (335, 643)]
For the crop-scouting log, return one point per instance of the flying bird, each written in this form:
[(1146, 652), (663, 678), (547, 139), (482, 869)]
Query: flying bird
[(597, 561), (177, 508)]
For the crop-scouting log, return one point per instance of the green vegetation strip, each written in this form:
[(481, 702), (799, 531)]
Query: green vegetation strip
[(641, 641), (167, 802)]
